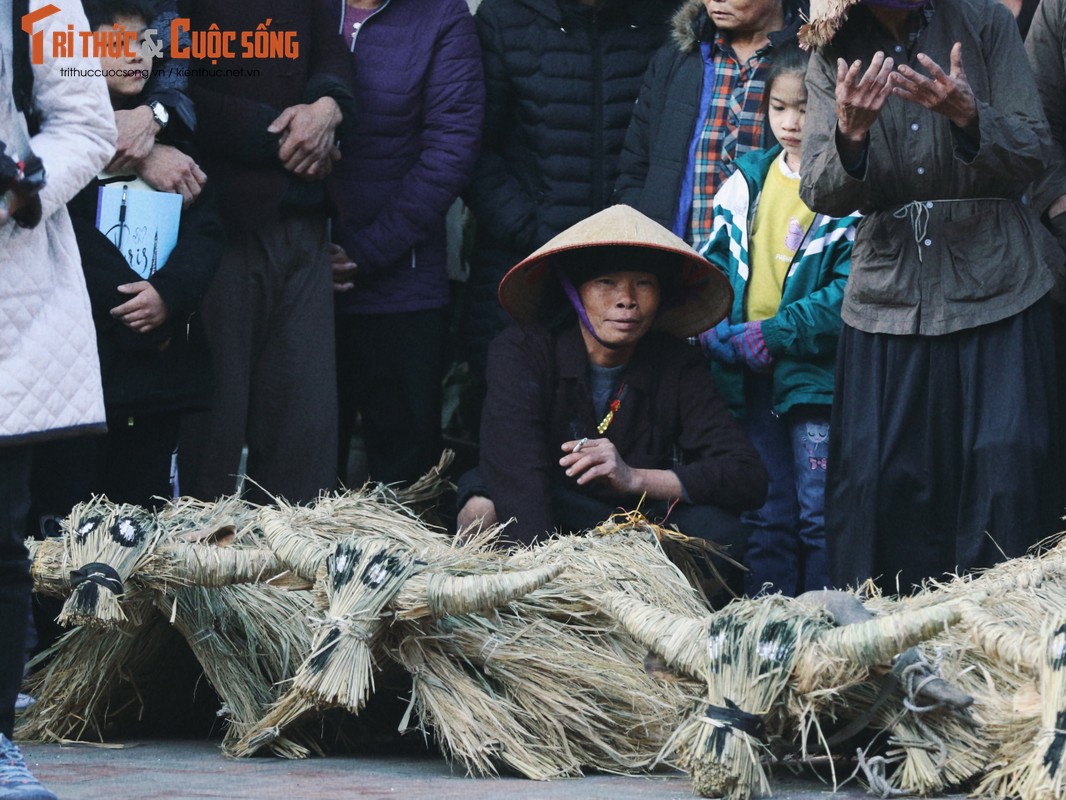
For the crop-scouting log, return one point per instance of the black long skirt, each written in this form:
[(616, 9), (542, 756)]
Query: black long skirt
[(943, 456)]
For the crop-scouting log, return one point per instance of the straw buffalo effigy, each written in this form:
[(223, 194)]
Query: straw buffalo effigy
[(962, 683), (203, 568), (512, 663), (512, 660), (534, 660)]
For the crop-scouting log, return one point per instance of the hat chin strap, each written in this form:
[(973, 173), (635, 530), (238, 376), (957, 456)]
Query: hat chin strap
[(579, 307)]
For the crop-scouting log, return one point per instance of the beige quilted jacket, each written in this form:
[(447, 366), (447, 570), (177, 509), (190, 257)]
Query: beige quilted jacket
[(49, 371)]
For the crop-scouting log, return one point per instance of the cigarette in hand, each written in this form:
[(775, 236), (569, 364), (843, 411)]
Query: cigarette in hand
[(581, 443)]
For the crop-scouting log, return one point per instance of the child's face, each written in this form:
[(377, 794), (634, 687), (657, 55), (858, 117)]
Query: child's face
[(125, 76), (788, 105)]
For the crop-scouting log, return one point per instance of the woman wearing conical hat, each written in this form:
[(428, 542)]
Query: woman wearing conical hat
[(594, 399), (923, 114)]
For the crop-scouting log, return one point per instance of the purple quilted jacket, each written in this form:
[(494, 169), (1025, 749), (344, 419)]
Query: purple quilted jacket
[(419, 104)]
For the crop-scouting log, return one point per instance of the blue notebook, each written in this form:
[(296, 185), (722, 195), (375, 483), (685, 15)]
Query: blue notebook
[(142, 223)]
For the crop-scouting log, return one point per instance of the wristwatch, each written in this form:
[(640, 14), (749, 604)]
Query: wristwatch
[(159, 113)]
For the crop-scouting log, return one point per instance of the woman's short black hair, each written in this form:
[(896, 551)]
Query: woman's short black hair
[(105, 12), (584, 264)]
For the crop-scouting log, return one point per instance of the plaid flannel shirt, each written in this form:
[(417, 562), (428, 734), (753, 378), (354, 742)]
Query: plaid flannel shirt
[(733, 127)]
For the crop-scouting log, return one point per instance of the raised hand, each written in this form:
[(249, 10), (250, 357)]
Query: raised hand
[(860, 99), (947, 94)]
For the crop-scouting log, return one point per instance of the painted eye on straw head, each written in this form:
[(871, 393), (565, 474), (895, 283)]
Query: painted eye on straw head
[(342, 562), (380, 569), (127, 532), (1057, 648), (85, 529)]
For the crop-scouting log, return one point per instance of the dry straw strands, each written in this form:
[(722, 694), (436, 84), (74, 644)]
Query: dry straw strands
[(362, 575), (105, 546), (836, 654), (555, 650), (90, 675), (249, 641), (749, 660), (1045, 764), (826, 17), (745, 655)]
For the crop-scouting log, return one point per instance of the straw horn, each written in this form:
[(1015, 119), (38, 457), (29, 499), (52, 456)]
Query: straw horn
[(205, 565), (304, 554), (439, 595), (680, 640), (879, 639)]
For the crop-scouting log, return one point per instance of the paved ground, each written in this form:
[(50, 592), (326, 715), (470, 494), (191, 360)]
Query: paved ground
[(169, 770)]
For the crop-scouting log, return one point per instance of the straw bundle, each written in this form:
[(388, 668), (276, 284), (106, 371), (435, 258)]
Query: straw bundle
[(106, 545), (48, 567), (584, 695), (302, 536), (1023, 697), (362, 575), (745, 654), (249, 640), (436, 594), (826, 17), (411, 499), (90, 675), (474, 725), (835, 655), (200, 544)]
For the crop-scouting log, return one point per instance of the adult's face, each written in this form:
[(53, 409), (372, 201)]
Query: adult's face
[(742, 16), (621, 307)]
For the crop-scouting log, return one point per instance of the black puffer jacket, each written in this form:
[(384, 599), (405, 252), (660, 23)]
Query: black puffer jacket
[(168, 368), (561, 80)]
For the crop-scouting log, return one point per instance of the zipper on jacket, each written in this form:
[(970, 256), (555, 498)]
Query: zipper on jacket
[(344, 34)]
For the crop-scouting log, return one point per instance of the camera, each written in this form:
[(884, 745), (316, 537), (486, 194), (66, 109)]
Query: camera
[(27, 178)]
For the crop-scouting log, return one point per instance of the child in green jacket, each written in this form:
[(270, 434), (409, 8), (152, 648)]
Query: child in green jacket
[(773, 357)]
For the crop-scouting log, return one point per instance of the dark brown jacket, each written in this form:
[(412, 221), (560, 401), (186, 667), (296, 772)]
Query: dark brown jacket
[(945, 243), (540, 396)]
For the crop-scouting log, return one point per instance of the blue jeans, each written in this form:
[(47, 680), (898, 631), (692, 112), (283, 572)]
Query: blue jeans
[(786, 537)]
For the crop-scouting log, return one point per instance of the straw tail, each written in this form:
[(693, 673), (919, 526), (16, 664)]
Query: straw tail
[(440, 595), (680, 640), (876, 641)]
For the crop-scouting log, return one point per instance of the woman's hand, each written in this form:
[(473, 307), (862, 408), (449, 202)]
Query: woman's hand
[(145, 311), (860, 100), (949, 94), (591, 459)]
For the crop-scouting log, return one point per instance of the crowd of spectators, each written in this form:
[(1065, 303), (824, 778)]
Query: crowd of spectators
[(805, 302)]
